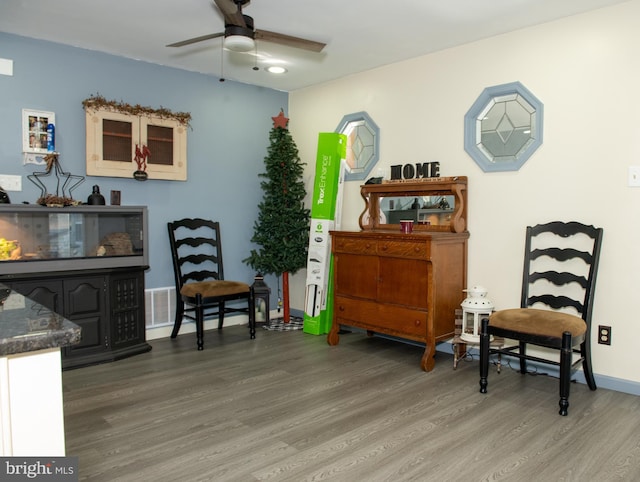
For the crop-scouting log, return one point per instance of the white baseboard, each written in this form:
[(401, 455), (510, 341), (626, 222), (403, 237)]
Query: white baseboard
[(188, 326), (602, 381)]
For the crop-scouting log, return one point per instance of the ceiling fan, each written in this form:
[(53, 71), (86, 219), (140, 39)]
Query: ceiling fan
[(240, 34)]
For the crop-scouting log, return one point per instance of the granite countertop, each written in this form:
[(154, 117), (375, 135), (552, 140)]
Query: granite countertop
[(27, 326)]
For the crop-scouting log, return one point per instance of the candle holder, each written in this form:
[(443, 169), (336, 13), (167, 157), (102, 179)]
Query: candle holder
[(474, 308), (261, 293)]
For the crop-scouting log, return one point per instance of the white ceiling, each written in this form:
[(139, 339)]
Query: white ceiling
[(360, 34)]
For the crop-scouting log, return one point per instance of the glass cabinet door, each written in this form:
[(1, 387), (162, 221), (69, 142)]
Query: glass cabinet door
[(167, 143), (111, 141)]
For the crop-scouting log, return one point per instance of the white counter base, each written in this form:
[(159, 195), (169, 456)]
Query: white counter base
[(31, 404)]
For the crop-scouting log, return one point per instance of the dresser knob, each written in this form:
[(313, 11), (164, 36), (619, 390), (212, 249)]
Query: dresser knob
[(417, 322), (341, 308)]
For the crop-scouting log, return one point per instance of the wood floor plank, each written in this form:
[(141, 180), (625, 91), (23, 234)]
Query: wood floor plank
[(288, 407)]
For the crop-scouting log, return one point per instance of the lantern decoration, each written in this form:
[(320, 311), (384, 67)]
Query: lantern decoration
[(474, 308), (261, 293)]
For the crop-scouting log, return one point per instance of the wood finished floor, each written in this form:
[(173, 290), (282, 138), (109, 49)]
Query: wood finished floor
[(288, 407)]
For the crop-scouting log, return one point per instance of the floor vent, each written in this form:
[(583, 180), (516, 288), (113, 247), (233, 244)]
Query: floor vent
[(160, 304)]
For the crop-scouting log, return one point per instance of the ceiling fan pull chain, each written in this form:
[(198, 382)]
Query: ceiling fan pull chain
[(222, 62), (255, 51)]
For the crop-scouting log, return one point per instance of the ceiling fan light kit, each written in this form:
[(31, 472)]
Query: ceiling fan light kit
[(239, 43)]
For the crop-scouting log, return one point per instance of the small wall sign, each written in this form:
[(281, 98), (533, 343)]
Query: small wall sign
[(415, 171)]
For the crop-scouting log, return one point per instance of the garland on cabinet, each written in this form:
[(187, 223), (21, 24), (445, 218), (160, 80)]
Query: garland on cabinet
[(97, 101)]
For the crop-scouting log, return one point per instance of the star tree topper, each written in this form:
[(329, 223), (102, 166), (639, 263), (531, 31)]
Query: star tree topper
[(280, 120)]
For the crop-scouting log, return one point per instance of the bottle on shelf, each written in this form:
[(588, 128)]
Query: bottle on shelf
[(95, 198)]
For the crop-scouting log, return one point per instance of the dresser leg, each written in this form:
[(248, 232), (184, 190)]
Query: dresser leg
[(428, 361), (333, 338)]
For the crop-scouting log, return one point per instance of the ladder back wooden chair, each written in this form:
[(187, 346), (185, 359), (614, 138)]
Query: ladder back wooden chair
[(201, 290), (559, 276)]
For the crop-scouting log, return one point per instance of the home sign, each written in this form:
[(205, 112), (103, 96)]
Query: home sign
[(415, 171)]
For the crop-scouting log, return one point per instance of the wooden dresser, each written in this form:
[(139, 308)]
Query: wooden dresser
[(403, 285)]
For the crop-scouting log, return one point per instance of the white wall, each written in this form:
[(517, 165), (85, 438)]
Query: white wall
[(586, 71)]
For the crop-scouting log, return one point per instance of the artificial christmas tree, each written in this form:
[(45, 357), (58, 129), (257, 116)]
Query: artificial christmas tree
[(282, 227)]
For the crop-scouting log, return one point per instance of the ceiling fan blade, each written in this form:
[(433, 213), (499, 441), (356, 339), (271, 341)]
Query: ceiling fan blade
[(196, 39), (231, 12), (289, 41)]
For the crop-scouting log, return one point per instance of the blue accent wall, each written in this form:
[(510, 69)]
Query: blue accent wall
[(226, 145)]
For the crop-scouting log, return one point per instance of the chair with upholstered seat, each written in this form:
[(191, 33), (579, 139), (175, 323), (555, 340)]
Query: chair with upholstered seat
[(201, 290), (560, 267)]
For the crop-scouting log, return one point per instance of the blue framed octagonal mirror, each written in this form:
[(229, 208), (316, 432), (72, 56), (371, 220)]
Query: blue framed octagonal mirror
[(503, 128), (363, 144)]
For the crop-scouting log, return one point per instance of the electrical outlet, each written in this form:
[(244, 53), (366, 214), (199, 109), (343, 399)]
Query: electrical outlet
[(604, 335)]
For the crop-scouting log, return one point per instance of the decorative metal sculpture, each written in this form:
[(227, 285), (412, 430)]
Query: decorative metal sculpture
[(63, 194)]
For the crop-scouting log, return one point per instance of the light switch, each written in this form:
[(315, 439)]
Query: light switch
[(11, 183), (6, 67), (634, 176)]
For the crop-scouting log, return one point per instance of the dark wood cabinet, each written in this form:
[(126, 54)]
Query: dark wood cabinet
[(86, 263), (397, 284), (107, 304)]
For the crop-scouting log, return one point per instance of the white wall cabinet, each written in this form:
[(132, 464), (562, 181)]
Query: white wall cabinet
[(112, 138)]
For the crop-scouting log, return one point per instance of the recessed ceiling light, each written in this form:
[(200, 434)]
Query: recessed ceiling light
[(276, 69)]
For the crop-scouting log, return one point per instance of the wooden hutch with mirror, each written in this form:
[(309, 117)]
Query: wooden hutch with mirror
[(405, 285)]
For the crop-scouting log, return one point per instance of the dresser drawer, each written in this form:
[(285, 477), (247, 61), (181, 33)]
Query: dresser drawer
[(381, 318), (385, 247), (354, 245), (403, 249)]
